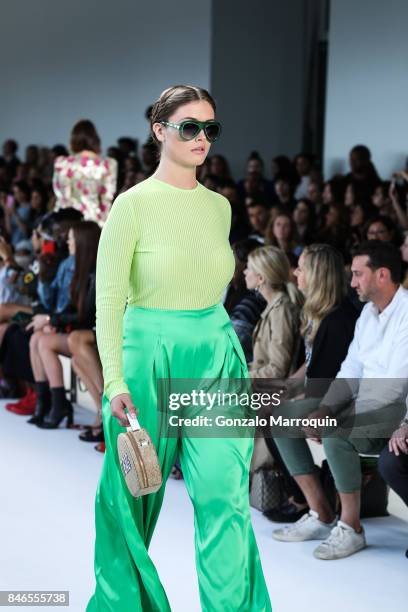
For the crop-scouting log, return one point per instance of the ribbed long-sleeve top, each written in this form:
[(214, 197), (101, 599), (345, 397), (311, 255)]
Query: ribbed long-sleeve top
[(161, 247)]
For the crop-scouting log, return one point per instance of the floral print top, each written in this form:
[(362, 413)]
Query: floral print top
[(85, 182)]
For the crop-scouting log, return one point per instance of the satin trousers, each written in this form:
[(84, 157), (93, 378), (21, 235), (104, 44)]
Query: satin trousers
[(166, 344)]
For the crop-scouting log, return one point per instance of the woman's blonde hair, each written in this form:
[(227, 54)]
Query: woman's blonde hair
[(272, 263), (326, 286)]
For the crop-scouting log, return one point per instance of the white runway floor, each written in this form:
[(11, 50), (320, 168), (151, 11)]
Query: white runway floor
[(48, 481)]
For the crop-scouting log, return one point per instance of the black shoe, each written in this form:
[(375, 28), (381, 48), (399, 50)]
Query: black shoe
[(61, 408), (89, 436), (287, 513), (43, 405)]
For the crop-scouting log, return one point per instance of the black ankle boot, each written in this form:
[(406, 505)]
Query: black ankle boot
[(60, 408), (43, 405)]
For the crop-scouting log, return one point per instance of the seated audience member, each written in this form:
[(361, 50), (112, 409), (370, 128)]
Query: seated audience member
[(239, 216), (212, 182), (280, 232), (327, 326), (18, 213), (255, 179), (11, 299), (85, 180), (334, 191), (315, 196), (404, 255), (87, 365), (12, 162), (382, 228), (304, 169), (275, 337), (381, 197), (219, 168), (283, 166), (75, 286), (356, 193), (237, 288), (362, 170), (245, 306), (372, 383), (393, 463), (335, 230), (49, 241), (359, 215), (397, 208), (284, 194), (304, 218), (258, 217)]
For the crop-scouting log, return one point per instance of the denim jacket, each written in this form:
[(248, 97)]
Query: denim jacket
[(56, 296)]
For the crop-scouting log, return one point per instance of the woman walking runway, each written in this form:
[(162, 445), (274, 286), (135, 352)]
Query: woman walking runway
[(165, 249)]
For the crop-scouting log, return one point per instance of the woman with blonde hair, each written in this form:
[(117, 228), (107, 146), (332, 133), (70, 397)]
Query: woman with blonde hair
[(327, 325), (328, 315), (275, 337)]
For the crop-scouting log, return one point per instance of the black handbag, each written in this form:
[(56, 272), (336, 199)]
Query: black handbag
[(267, 490)]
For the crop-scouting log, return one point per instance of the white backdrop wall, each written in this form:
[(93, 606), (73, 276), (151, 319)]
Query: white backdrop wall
[(367, 98), (60, 61)]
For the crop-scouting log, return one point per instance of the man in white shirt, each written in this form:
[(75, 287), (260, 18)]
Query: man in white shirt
[(369, 398)]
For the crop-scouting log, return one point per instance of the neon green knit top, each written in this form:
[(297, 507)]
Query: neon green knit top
[(161, 247)]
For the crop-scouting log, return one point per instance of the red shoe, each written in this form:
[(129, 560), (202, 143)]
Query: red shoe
[(100, 447), (25, 406)]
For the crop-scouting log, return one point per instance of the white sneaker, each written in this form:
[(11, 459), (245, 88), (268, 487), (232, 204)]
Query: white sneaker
[(308, 527), (342, 542)]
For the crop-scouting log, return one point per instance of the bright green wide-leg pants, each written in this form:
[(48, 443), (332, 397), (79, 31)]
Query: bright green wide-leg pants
[(159, 344)]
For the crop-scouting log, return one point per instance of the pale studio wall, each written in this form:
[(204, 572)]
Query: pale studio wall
[(367, 97), (91, 58), (108, 61), (258, 75)]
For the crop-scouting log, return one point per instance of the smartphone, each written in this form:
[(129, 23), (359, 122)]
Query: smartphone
[(48, 246)]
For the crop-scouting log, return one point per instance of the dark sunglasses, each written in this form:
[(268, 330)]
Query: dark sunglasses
[(190, 128)]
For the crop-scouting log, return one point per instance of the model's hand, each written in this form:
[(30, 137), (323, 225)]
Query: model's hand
[(118, 405)]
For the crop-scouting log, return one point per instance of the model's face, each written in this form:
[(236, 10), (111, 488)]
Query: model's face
[(281, 228), (378, 231), (252, 278), (300, 274), (186, 153)]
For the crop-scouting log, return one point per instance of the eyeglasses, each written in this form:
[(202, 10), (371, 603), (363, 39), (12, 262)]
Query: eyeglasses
[(190, 128)]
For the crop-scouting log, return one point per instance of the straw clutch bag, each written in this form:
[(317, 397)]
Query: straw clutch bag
[(138, 460)]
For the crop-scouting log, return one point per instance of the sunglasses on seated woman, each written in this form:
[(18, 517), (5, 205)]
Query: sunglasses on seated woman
[(190, 128)]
